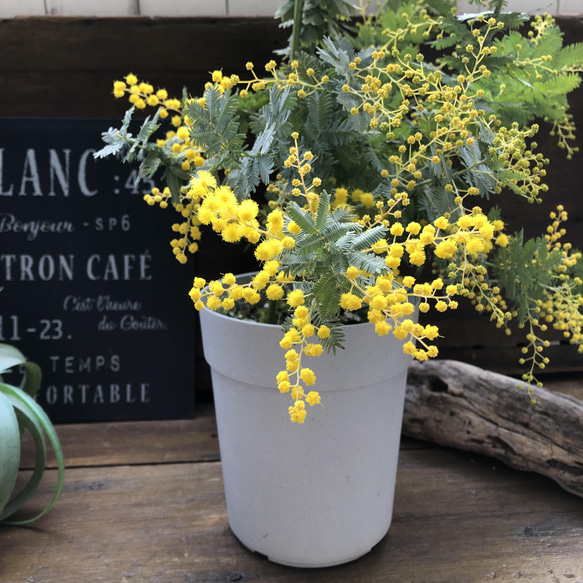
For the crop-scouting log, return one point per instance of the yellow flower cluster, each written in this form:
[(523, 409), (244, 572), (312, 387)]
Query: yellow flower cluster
[(455, 115), (561, 308), (389, 302), (302, 339), (224, 293), (181, 150), (142, 94)]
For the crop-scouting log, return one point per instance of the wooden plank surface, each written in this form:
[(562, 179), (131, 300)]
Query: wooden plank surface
[(134, 442), (141, 442), (176, 441), (142, 503), (458, 518)]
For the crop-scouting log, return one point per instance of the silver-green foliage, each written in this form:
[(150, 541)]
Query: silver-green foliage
[(348, 151)]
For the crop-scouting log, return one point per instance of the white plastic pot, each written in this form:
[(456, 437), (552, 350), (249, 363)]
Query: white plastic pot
[(321, 493)]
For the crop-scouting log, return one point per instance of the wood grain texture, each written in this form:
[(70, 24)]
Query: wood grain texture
[(459, 518), (141, 442), (134, 442), (168, 44), (466, 407), (70, 67), (143, 505)]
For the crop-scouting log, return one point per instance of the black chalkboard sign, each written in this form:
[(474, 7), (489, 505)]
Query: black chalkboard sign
[(91, 290)]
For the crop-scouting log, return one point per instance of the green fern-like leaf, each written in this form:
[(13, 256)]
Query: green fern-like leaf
[(570, 57), (437, 202), (303, 219), (326, 294), (524, 270), (477, 173), (367, 262), (367, 239), (322, 211)]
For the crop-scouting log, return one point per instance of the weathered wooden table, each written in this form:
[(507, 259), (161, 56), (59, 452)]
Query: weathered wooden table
[(143, 502)]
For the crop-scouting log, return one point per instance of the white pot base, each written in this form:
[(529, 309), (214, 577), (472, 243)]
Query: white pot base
[(314, 564)]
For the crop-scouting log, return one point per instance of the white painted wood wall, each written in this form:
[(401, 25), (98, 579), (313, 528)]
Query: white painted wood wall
[(11, 8)]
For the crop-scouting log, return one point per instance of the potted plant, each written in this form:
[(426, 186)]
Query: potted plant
[(375, 163), (18, 412)]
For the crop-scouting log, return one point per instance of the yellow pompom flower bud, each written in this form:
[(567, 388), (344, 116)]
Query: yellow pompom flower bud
[(502, 240), (248, 210), (301, 312), (267, 250), (413, 227), (288, 243), (350, 302), (445, 249), (382, 328), (213, 303), (409, 347), (352, 273), (182, 133), (397, 230), (441, 223), (229, 279), (293, 228), (313, 398), (274, 292), (284, 386), (307, 375), (282, 376), (295, 298), (297, 413), (475, 245), (231, 233), (313, 350)]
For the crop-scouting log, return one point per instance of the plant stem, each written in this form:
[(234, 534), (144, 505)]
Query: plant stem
[(271, 319), (297, 27)]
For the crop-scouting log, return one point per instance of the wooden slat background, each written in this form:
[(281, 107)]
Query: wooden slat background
[(69, 68), (64, 67)]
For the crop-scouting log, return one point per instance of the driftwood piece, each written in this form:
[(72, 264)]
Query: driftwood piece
[(459, 405)]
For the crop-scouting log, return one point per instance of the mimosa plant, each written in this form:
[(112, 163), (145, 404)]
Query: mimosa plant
[(375, 162)]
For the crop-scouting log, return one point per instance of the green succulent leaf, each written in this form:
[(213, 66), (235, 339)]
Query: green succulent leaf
[(9, 451), (18, 404)]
